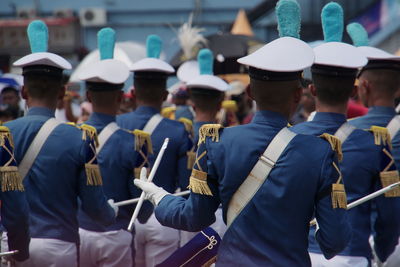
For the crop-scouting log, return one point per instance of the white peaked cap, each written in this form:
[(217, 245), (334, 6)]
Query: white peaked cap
[(43, 58), (337, 54), (208, 82), (373, 53), (107, 71), (188, 71), (152, 64), (286, 54)]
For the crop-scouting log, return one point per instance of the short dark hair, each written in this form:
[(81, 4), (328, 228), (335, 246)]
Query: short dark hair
[(150, 90), (43, 86), (333, 90), (8, 89), (206, 99), (104, 98), (387, 81)]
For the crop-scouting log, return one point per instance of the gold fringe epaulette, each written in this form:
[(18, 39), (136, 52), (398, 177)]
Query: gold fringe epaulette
[(89, 132), (388, 178), (143, 138), (338, 194), (93, 176), (335, 143), (188, 124), (230, 105), (209, 130), (198, 183), (381, 136), (10, 179), (5, 134), (168, 112)]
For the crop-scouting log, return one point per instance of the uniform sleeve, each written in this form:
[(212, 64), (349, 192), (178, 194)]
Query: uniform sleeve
[(90, 189), (198, 211), (185, 145), (386, 216), (334, 230)]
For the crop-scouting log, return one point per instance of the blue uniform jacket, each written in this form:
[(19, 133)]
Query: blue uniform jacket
[(272, 230), (361, 165), (381, 116), (173, 171), (117, 161), (57, 178)]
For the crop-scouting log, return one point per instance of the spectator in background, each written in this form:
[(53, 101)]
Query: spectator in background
[(306, 106), (10, 99), (128, 103), (86, 111)]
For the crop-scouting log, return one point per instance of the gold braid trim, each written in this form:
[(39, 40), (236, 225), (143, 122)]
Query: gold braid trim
[(5, 134), (336, 144), (191, 158), (390, 177), (210, 261), (209, 130), (230, 105), (381, 136), (168, 112), (188, 124), (89, 132), (143, 138), (198, 183), (339, 199), (93, 175), (10, 179)]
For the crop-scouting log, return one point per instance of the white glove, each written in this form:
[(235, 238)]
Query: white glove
[(152, 192), (113, 206)]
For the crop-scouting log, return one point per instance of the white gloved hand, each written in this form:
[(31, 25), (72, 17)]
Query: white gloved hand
[(113, 206), (152, 192)]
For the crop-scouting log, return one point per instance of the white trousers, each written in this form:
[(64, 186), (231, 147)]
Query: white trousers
[(46, 252), (154, 242), (219, 226), (318, 260), (105, 249)]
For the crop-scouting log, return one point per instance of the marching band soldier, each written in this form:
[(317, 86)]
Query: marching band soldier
[(154, 243), (14, 207), (365, 156), (379, 81), (269, 180), (119, 153), (57, 161)]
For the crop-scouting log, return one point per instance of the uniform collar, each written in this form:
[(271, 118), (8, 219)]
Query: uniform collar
[(146, 110), (270, 117), (382, 110), (97, 118), (330, 117), (41, 111)]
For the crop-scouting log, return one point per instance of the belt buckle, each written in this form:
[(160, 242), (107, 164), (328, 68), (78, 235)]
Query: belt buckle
[(270, 163)]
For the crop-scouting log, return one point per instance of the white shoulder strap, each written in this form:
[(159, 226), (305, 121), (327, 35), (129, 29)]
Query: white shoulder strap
[(152, 124), (36, 145), (394, 126), (105, 134), (258, 174), (344, 131)]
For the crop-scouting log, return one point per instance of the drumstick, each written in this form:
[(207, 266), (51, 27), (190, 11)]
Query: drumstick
[(136, 200), (151, 176), (366, 198)]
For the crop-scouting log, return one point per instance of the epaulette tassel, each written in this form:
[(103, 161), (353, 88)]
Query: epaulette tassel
[(335, 143), (89, 132), (230, 105), (390, 177), (381, 136), (93, 174), (339, 198), (198, 183), (168, 112), (188, 125), (143, 138), (209, 130)]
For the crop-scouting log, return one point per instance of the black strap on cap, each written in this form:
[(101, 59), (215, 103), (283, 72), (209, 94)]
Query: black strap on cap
[(264, 75), (42, 70), (333, 71), (382, 65), (150, 75), (99, 86)]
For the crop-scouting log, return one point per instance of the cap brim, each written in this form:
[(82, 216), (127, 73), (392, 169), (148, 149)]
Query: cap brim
[(152, 64), (109, 71), (339, 54), (43, 58), (208, 82), (374, 53), (188, 71)]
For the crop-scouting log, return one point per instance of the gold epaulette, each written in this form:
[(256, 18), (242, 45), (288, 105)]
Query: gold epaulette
[(188, 124), (198, 183), (381, 136), (338, 194), (389, 177), (209, 130), (230, 105), (10, 178), (335, 143), (89, 132), (168, 112), (142, 138)]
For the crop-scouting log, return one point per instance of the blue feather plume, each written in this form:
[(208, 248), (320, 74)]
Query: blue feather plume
[(38, 36), (206, 59), (332, 22), (358, 34), (106, 43), (289, 18), (153, 45)]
